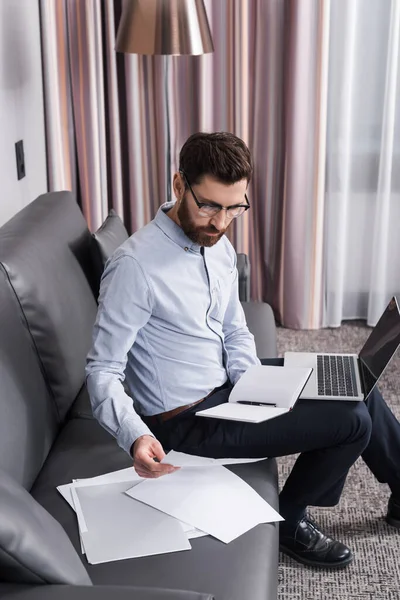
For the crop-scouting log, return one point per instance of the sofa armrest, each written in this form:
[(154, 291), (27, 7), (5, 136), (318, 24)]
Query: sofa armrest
[(261, 323), (98, 592), (243, 267)]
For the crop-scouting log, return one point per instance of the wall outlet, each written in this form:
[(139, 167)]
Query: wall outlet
[(20, 156)]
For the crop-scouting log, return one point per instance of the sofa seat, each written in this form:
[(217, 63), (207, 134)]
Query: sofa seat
[(84, 449)]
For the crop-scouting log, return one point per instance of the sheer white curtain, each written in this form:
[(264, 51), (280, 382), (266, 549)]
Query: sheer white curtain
[(362, 216)]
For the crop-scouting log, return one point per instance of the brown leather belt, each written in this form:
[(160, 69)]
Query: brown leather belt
[(166, 416)]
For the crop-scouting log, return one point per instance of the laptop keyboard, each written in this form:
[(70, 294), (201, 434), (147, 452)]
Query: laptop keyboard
[(336, 376)]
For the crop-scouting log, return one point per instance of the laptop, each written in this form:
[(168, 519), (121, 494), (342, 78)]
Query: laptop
[(351, 376)]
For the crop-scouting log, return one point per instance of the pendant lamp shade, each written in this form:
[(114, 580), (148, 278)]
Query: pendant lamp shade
[(171, 27)]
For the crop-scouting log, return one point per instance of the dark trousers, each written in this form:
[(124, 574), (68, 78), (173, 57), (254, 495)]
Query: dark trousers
[(329, 435)]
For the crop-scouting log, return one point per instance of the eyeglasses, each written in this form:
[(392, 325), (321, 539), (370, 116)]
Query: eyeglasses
[(210, 210)]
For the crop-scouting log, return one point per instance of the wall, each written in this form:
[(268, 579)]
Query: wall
[(21, 105)]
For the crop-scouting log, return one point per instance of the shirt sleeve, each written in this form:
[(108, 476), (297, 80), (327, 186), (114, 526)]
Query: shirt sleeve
[(240, 349), (125, 306)]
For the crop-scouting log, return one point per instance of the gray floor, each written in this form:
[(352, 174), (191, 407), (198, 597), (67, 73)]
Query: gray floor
[(358, 519)]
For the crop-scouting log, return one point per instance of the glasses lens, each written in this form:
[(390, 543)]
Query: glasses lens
[(208, 210), (235, 212)]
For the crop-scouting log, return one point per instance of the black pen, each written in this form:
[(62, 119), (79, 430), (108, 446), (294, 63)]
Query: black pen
[(256, 403)]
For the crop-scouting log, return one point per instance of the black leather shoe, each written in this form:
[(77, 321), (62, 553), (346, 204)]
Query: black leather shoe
[(308, 545), (393, 513)]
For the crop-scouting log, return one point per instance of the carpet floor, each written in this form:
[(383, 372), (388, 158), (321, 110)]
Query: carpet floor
[(358, 520)]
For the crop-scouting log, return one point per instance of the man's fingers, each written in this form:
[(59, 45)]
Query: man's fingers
[(147, 456), (152, 468), (158, 450), (146, 462), (149, 474)]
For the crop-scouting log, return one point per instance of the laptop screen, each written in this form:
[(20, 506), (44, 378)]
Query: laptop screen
[(380, 346)]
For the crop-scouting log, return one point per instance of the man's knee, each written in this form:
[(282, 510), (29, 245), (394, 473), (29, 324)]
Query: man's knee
[(361, 422)]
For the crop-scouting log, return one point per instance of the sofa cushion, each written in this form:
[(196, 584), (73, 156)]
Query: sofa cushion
[(110, 235), (28, 418), (34, 548), (228, 571), (46, 250)]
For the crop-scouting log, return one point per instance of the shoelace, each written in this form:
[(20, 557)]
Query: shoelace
[(320, 542), (307, 517)]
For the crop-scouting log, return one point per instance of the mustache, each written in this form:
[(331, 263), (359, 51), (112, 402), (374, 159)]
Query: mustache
[(211, 230)]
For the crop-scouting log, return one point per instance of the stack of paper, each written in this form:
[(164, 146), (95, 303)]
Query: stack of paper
[(120, 515), (111, 527)]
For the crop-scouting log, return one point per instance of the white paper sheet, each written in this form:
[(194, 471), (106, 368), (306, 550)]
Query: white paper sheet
[(278, 387), (118, 529), (79, 514), (191, 532), (271, 384), (180, 459), (120, 476), (213, 500), (194, 533), (65, 491), (230, 411), (123, 475), (129, 474)]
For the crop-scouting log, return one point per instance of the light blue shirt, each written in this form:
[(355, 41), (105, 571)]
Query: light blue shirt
[(169, 328)]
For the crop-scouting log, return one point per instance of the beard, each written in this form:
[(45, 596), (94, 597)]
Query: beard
[(198, 235)]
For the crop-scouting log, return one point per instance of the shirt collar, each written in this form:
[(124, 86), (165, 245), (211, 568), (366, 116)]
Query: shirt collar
[(173, 230)]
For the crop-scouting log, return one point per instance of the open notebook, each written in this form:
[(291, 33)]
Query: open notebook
[(263, 392)]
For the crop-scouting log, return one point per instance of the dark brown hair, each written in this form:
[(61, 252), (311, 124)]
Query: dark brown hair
[(222, 155)]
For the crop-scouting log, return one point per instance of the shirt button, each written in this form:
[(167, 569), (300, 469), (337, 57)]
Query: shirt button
[(186, 248)]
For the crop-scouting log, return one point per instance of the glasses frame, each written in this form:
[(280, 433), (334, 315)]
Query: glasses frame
[(216, 205)]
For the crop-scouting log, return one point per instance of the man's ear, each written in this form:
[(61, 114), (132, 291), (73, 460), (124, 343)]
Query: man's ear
[(178, 186)]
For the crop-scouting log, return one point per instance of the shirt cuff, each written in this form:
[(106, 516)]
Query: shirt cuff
[(129, 432)]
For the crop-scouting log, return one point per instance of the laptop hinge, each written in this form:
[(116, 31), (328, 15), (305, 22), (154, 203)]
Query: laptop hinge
[(361, 372)]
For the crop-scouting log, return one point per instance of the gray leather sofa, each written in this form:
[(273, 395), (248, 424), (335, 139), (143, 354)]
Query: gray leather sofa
[(50, 267)]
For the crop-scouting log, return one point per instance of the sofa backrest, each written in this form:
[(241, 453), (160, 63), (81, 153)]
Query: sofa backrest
[(28, 419), (46, 256)]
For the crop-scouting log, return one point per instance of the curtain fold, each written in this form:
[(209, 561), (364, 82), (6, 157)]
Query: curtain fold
[(85, 43), (147, 137), (298, 289), (60, 129), (112, 112)]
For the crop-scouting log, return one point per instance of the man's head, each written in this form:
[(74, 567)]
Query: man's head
[(214, 172)]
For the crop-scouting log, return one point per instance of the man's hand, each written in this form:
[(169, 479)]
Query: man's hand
[(144, 451)]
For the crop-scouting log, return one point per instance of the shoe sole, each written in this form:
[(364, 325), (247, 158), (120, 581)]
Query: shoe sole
[(314, 563)]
